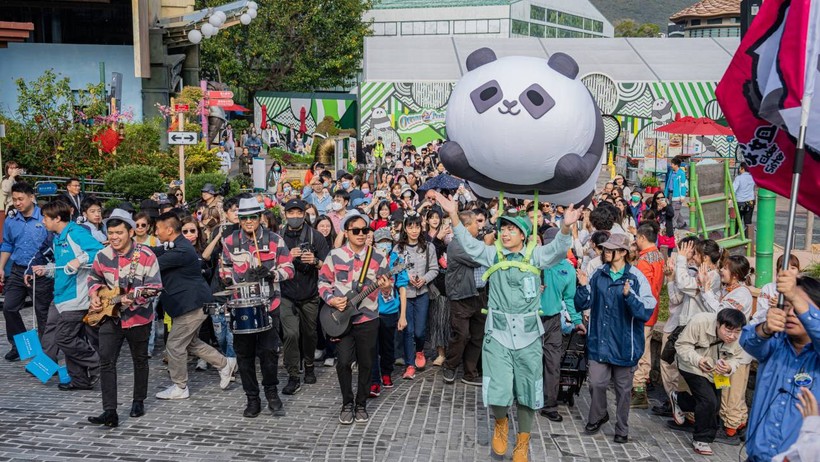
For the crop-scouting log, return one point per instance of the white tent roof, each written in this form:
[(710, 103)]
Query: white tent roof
[(414, 59)]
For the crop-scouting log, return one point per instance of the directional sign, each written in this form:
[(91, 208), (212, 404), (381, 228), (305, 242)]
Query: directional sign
[(46, 189), (180, 108), (182, 137), (220, 94), (220, 102)]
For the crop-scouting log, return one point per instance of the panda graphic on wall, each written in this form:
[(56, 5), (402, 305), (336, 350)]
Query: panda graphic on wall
[(521, 124), (379, 119), (662, 112)]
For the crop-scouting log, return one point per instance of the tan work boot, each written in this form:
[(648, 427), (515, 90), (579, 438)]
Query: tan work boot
[(522, 447), (639, 398), (502, 429)]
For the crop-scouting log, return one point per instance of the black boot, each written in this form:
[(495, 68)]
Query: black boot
[(274, 403), (294, 386), (107, 418), (253, 408), (137, 409), (310, 377)]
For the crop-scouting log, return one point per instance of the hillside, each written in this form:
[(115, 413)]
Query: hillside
[(654, 11)]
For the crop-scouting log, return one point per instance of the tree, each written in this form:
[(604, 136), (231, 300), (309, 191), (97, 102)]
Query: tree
[(290, 46), (630, 28)]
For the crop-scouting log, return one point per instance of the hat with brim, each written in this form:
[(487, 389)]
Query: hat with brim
[(407, 189), (616, 242), (208, 188), (294, 204), (521, 223), (352, 215), (549, 235), (249, 206), (382, 234), (123, 216)]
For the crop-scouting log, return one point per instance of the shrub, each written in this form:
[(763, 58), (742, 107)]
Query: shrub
[(134, 182), (201, 160), (650, 181)]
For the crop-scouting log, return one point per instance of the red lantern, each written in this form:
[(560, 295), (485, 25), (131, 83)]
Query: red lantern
[(108, 140)]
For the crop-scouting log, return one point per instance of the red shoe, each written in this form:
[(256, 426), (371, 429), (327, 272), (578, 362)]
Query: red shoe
[(734, 431), (375, 390), (387, 382), (421, 361), (409, 373)]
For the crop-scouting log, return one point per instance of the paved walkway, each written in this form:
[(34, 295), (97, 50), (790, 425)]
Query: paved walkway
[(419, 420)]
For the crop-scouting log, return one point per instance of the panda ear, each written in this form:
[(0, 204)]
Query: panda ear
[(479, 58), (564, 65)]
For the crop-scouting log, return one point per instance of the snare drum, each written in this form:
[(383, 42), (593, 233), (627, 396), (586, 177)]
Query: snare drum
[(249, 315)]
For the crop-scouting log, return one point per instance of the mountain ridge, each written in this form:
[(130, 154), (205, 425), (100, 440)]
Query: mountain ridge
[(652, 11)]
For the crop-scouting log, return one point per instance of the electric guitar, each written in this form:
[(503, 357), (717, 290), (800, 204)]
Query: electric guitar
[(336, 323), (111, 300)]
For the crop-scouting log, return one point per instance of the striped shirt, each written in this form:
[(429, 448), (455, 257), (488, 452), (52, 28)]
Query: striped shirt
[(111, 269), (239, 255), (341, 270)]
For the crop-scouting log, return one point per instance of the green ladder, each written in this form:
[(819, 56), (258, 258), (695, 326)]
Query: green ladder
[(735, 234)]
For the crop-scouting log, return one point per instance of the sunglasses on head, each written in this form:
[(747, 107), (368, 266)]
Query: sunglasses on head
[(359, 231), (248, 217)]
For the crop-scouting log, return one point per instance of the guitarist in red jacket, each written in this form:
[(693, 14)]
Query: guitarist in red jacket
[(350, 268)]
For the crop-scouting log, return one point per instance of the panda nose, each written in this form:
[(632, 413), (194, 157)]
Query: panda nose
[(510, 104)]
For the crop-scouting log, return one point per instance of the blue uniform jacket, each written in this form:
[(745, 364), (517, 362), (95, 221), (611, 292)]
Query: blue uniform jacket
[(616, 322)]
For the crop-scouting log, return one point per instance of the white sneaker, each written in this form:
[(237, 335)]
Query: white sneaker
[(173, 392), (330, 362), (702, 448), (226, 373), (201, 365), (318, 355), (677, 414)]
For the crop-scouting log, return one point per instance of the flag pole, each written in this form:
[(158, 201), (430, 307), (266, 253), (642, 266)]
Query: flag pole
[(799, 155)]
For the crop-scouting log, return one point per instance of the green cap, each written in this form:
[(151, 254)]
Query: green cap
[(522, 223)]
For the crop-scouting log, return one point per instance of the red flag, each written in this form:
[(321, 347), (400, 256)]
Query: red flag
[(761, 93)]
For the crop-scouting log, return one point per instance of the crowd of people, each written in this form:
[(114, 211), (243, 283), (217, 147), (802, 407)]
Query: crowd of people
[(418, 278)]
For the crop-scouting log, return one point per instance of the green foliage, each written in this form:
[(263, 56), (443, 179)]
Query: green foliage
[(290, 46), (630, 28), (238, 125), (650, 181), (641, 11), (195, 182), (814, 270), (134, 182), (201, 160), (663, 305), (289, 158)]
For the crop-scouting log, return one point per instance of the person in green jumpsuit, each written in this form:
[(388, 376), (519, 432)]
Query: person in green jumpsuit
[(511, 353)]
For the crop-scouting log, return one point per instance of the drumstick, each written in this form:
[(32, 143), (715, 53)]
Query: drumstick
[(256, 245)]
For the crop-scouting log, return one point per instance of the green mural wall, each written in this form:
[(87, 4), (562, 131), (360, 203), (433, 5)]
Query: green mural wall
[(284, 109)]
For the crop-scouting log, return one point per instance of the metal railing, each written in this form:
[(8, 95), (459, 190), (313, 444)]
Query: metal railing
[(89, 186)]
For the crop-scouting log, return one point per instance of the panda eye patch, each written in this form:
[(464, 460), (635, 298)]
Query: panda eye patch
[(486, 96), (536, 101)]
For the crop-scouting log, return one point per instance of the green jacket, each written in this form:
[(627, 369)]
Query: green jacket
[(559, 286)]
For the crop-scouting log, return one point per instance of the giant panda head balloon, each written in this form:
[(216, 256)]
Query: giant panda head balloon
[(521, 124)]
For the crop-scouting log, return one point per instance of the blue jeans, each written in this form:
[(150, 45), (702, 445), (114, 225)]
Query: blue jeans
[(416, 331), (223, 334)]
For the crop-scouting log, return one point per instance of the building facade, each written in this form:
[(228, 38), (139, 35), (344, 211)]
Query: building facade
[(709, 18), (489, 18)]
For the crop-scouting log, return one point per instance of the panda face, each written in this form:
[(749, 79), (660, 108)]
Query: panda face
[(516, 117), (379, 113)]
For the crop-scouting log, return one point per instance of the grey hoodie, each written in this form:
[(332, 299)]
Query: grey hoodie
[(425, 265)]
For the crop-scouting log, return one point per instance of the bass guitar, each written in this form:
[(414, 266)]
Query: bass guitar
[(336, 323)]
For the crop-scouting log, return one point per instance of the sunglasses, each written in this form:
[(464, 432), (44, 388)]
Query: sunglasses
[(189, 231), (248, 217), (359, 231), (178, 194), (142, 225)]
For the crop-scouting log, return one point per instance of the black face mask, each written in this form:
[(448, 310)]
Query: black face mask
[(296, 223)]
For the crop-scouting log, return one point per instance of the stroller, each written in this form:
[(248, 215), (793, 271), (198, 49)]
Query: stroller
[(573, 367)]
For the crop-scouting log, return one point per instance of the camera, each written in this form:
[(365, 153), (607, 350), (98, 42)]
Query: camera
[(305, 247), (484, 231)]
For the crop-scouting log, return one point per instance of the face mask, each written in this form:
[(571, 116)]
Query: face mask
[(286, 190), (402, 182), (311, 218), (345, 184), (384, 246), (336, 206), (326, 184), (365, 191), (296, 223), (276, 169)]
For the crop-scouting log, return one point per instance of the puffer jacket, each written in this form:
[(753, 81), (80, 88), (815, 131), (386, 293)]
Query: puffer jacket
[(616, 322)]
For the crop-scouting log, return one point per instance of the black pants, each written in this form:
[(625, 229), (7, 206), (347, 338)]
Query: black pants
[(704, 402), (15, 292), (111, 337), (358, 343), (466, 334), (262, 345), (384, 351), (81, 360), (552, 346), (747, 211)]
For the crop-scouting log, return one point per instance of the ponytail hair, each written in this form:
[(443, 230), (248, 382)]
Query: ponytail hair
[(709, 248), (739, 267)]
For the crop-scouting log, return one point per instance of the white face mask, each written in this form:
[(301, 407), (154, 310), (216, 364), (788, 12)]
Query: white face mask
[(336, 206), (311, 218)]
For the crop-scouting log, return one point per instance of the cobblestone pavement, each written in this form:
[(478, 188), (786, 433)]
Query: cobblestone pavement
[(419, 420)]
